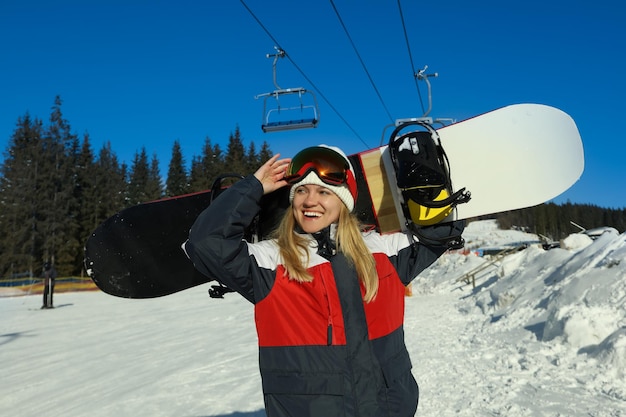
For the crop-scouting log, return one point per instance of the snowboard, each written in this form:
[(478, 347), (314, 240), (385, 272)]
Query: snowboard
[(510, 158)]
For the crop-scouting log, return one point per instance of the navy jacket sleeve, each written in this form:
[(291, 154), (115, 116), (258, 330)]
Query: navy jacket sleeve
[(414, 256), (216, 245)]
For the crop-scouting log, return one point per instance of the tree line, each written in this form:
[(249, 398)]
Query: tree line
[(557, 221), (55, 190)]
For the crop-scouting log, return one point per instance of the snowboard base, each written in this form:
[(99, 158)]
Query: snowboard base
[(505, 158)]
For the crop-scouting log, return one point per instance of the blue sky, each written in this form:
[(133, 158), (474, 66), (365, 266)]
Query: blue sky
[(146, 73)]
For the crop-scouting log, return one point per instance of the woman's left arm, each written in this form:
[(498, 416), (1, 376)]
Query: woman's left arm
[(412, 256)]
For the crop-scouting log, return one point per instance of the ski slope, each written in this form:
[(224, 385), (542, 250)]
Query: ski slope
[(543, 334)]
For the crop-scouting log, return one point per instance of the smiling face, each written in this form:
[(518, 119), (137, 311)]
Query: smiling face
[(315, 207)]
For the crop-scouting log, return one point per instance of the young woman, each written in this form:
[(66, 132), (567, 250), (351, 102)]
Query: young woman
[(329, 299)]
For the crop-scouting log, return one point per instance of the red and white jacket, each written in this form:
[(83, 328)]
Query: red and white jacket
[(323, 351)]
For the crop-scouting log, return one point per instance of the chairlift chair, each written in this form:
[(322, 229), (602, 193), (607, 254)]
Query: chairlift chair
[(303, 114)]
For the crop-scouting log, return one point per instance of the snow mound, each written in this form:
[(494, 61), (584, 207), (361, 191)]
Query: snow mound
[(570, 300), (576, 242)]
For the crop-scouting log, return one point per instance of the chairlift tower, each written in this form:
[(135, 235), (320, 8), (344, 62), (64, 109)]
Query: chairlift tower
[(425, 120)]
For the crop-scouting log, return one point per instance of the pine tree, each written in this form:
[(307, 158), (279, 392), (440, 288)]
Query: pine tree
[(69, 257), (139, 179), (252, 160), (206, 168), (20, 243), (235, 154), (87, 194), (176, 183), (58, 206), (197, 180), (214, 162), (265, 153), (111, 186), (154, 189)]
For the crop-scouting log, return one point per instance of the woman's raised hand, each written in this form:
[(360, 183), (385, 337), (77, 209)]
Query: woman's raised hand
[(272, 172)]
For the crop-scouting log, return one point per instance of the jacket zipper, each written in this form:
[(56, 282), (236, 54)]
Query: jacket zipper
[(329, 329)]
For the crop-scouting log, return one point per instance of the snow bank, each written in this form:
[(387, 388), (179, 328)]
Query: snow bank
[(543, 333), (571, 300)]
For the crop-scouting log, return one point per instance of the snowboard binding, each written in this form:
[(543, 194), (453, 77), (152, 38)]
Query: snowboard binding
[(219, 290), (423, 175)]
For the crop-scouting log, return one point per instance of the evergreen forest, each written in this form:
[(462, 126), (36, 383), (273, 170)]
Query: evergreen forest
[(55, 190), (557, 221)]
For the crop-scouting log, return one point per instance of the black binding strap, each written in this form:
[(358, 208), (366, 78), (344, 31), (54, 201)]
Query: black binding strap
[(422, 168)]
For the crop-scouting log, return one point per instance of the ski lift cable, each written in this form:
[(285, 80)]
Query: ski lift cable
[(327, 101), (408, 47), (303, 74), (278, 47), (345, 29)]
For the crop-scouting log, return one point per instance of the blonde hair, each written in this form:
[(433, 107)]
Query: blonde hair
[(294, 252)]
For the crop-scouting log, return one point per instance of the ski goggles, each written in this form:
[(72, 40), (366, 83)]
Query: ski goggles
[(331, 167)]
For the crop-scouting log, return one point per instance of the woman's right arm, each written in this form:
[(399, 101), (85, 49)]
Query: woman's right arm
[(216, 245)]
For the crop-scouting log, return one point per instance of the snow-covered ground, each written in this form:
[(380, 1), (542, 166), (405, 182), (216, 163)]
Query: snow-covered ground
[(542, 334)]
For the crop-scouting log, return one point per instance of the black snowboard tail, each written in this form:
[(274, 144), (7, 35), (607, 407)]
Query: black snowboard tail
[(138, 252)]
